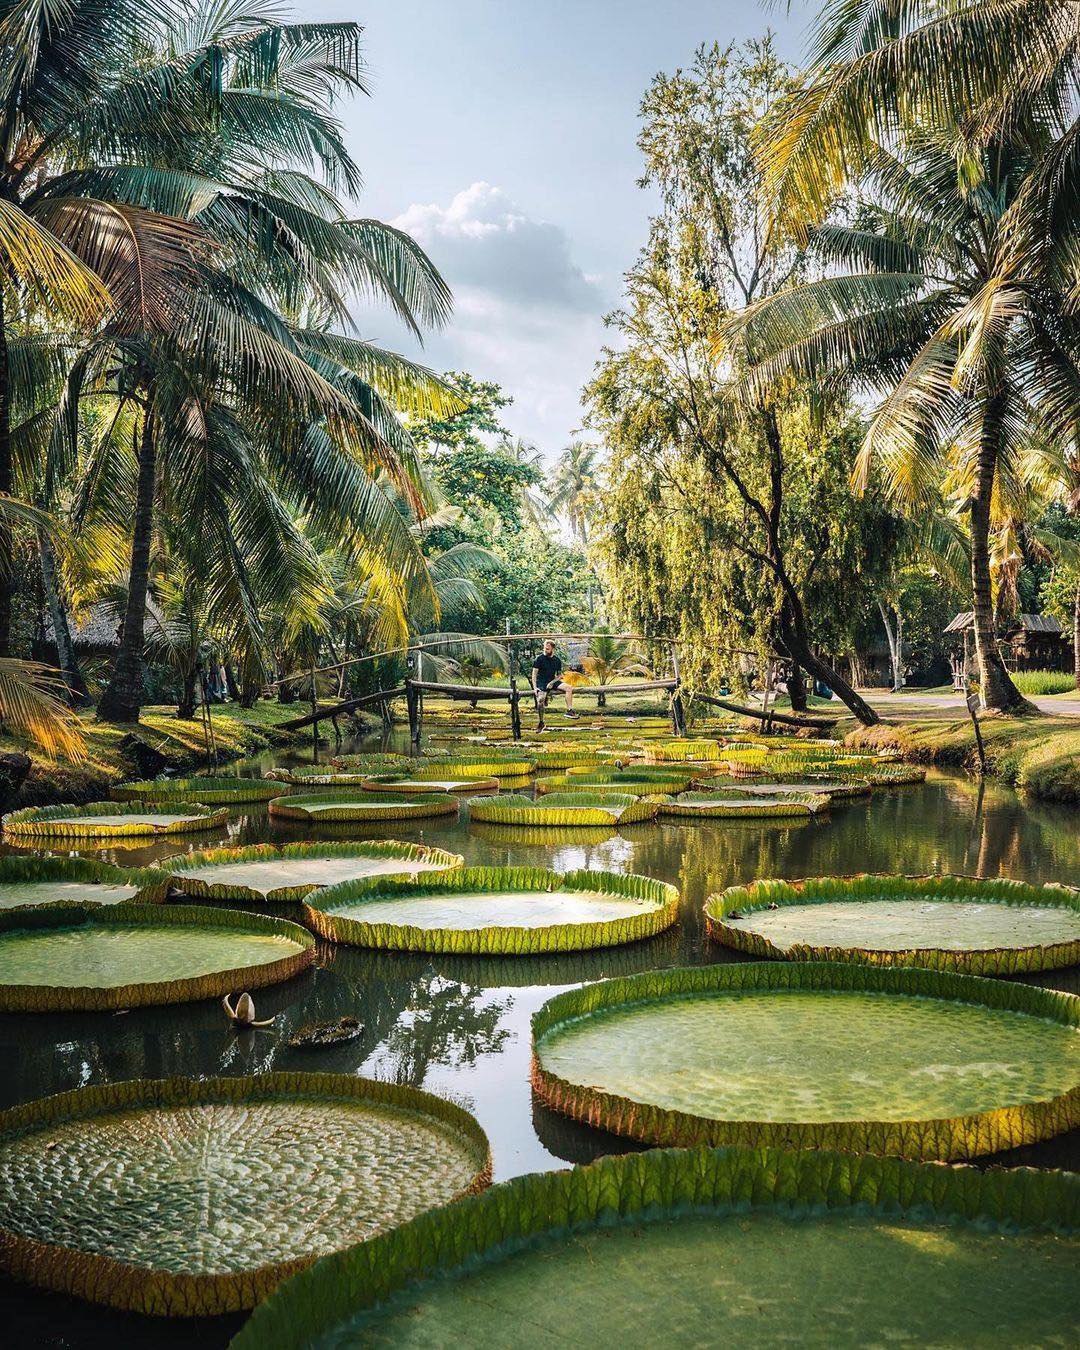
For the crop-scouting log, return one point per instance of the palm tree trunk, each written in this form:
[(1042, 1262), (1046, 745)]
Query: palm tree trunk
[(7, 568), (997, 690), (123, 699), (65, 648), (186, 707), (1076, 635)]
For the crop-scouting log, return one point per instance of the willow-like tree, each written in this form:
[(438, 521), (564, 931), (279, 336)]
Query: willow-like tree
[(736, 540)]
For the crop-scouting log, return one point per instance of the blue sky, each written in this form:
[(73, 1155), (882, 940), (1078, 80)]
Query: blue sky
[(502, 134)]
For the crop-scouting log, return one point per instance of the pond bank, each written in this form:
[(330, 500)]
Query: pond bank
[(1040, 756), (160, 743)]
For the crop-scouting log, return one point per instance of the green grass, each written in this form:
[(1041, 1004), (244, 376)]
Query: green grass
[(1044, 682), (1038, 755), (182, 744)]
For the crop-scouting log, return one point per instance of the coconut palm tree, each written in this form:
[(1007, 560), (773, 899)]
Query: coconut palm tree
[(225, 381), (73, 252), (571, 485), (608, 658), (970, 369)]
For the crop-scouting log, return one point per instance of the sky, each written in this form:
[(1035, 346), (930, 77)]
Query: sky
[(501, 135)]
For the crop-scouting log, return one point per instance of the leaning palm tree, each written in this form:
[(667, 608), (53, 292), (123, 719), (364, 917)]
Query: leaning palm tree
[(913, 310)]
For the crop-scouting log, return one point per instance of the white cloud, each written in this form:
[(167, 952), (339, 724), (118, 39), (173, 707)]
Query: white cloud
[(525, 313)]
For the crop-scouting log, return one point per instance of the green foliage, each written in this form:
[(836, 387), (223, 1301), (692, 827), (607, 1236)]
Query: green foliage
[(1044, 682)]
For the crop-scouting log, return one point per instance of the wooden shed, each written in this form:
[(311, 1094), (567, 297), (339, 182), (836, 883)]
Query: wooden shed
[(1029, 642)]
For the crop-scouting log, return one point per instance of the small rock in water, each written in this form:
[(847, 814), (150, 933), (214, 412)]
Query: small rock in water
[(317, 1034)]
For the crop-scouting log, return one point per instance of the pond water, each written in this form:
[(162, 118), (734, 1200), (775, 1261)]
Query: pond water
[(460, 1026)]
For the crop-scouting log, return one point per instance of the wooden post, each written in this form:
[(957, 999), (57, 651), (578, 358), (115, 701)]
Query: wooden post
[(515, 713), (387, 718), (411, 702), (973, 709), (766, 718)]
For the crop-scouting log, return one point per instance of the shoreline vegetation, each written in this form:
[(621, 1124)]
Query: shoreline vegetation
[(160, 742), (1039, 756)]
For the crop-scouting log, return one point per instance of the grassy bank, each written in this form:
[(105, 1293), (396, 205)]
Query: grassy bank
[(1038, 755), (160, 743)]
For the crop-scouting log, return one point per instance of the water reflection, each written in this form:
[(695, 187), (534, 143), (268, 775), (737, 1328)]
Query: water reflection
[(460, 1025)]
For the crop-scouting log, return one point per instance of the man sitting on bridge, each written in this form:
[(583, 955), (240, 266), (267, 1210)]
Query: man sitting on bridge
[(546, 670)]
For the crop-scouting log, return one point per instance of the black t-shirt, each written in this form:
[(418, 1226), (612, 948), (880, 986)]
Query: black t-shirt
[(547, 668)]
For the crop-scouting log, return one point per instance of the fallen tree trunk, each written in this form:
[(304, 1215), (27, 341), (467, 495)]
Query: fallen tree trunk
[(340, 709), (786, 719)]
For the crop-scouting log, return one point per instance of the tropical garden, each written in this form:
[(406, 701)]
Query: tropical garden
[(460, 890)]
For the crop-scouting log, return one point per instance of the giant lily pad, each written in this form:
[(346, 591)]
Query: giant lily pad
[(562, 808), (730, 803), (496, 765), (910, 1062), (75, 881), (699, 750), (209, 791), (283, 875), (754, 1247), (74, 958), (626, 784), (333, 806), (111, 820), (186, 1197), (979, 927), (412, 784), (514, 911)]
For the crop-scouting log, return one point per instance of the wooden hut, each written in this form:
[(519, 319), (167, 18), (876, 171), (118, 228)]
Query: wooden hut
[(1036, 642), (1030, 642)]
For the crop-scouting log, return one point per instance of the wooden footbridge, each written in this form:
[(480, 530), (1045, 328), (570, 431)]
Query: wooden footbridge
[(415, 688)]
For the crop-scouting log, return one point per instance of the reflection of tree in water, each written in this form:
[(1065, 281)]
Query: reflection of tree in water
[(446, 1023)]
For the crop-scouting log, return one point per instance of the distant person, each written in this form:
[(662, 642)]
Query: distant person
[(546, 670)]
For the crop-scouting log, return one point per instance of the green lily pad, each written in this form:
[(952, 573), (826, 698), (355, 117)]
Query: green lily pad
[(186, 1197), (512, 911), (754, 1247), (723, 802), (910, 1062), (86, 958), (283, 875), (411, 784), (111, 820), (333, 806), (75, 881), (208, 791), (562, 808), (980, 927)]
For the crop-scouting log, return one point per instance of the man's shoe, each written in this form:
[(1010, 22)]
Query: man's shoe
[(573, 714)]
